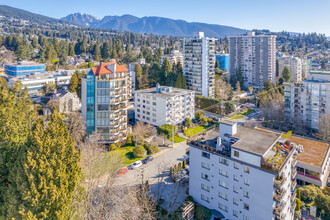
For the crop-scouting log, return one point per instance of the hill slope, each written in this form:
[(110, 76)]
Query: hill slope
[(154, 25)]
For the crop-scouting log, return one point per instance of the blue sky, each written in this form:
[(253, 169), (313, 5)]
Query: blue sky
[(276, 15)]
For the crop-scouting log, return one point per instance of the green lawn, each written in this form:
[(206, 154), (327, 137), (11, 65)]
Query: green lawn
[(192, 131), (242, 114), (177, 139), (126, 154)]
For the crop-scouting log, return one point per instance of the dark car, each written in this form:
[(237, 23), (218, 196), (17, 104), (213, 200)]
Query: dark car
[(147, 160)]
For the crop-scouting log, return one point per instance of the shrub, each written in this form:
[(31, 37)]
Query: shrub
[(151, 148), (129, 140), (113, 147), (174, 169), (205, 121), (179, 167), (188, 122), (199, 115), (184, 165), (298, 194), (167, 130), (297, 214), (139, 151), (299, 203), (171, 171)]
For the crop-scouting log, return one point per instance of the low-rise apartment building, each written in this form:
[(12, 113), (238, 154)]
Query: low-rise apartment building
[(313, 162), (174, 58), (164, 105), (244, 173)]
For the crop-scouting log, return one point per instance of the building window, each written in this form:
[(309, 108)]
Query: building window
[(205, 177), (236, 153), (223, 207), (235, 176), (206, 155), (223, 161), (235, 201), (246, 206), (246, 194), (236, 165), (235, 213), (153, 114), (153, 103), (223, 184), (246, 169), (138, 115), (235, 189), (153, 120), (245, 217), (205, 198), (223, 172), (223, 196), (246, 181), (205, 187), (205, 166)]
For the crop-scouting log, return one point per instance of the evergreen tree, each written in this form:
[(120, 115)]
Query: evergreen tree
[(165, 70), (286, 74), (114, 54), (45, 174), (74, 81), (179, 67), (145, 75), (154, 74), (181, 81), (217, 65), (71, 50), (170, 79), (277, 68), (174, 67), (240, 78), (97, 53), (138, 70)]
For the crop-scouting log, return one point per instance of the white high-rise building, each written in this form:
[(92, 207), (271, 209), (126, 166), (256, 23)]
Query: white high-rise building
[(306, 102), (199, 63), (255, 56), (249, 176), (164, 105), (295, 66)]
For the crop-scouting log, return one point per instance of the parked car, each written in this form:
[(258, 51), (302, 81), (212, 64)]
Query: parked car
[(135, 165), (148, 159), (122, 171), (176, 177), (184, 181)]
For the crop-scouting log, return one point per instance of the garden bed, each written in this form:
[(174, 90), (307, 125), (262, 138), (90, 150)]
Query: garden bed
[(177, 139)]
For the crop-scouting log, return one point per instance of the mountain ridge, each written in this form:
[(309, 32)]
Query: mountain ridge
[(154, 25)]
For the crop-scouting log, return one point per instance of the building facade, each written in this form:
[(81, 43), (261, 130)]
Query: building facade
[(249, 174), (175, 57), (199, 63), (164, 105), (295, 66), (24, 68), (306, 102), (104, 101), (223, 60), (255, 56)]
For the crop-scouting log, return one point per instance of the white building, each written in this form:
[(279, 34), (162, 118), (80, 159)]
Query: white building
[(164, 105), (255, 56), (34, 82), (295, 66), (250, 176), (175, 57), (306, 102), (199, 63)]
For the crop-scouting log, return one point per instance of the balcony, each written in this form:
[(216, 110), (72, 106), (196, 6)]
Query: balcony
[(278, 182), (293, 185), (278, 195), (278, 211), (294, 174)]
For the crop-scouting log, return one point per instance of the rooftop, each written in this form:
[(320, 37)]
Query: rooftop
[(255, 141), (103, 68), (167, 91), (25, 63), (314, 151)]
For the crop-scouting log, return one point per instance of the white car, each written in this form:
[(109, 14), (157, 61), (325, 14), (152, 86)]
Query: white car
[(135, 165)]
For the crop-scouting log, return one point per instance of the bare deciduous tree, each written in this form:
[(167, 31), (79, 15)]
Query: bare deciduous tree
[(222, 89), (76, 126), (143, 129), (324, 128)]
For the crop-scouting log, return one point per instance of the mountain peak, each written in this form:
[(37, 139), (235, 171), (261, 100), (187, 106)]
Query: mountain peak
[(81, 19)]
